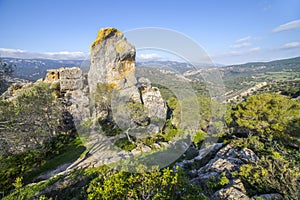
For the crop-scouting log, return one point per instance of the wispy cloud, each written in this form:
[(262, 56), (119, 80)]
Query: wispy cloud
[(63, 55), (242, 52), (245, 52), (240, 45), (290, 45), (287, 26), (149, 56), (244, 39)]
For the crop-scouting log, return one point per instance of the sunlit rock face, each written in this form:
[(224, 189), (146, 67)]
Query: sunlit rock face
[(152, 99), (112, 60), (69, 79), (113, 67)]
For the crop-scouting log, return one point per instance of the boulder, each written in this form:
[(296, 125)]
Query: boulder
[(228, 159), (234, 191), (199, 158), (69, 79), (112, 60), (272, 196), (113, 65), (154, 103)]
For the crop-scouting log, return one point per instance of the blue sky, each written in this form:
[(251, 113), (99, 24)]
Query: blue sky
[(229, 31)]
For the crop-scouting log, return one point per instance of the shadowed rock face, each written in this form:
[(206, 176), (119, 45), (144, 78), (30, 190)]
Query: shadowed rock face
[(112, 60)]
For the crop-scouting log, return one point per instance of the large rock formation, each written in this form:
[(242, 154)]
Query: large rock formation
[(113, 65), (112, 62)]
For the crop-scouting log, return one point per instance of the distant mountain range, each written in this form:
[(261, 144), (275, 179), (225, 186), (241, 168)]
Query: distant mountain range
[(289, 65), (33, 69)]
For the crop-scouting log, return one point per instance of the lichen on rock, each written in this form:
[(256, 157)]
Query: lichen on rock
[(104, 33), (112, 60)]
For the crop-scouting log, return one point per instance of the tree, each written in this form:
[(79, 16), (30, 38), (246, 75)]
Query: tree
[(268, 115), (31, 119), (5, 70)]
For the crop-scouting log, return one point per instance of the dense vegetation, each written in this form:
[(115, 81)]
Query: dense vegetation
[(269, 125), (31, 133)]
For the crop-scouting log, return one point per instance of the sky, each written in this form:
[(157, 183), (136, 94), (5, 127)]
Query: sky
[(230, 31)]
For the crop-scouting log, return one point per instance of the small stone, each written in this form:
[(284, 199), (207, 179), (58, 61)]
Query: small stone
[(156, 146), (230, 193), (272, 196), (164, 144), (145, 148), (153, 129)]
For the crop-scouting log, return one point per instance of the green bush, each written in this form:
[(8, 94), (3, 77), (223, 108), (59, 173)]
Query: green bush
[(199, 137), (154, 184), (125, 144), (214, 184), (268, 115), (270, 175)]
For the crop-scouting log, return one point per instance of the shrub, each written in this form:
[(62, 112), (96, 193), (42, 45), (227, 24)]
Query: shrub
[(214, 184), (270, 175), (125, 144), (154, 184), (199, 137)]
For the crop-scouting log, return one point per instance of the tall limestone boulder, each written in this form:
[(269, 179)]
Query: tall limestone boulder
[(113, 65)]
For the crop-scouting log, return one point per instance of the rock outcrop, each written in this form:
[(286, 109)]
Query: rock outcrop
[(70, 82), (152, 100), (272, 196), (112, 61), (212, 161), (15, 89), (113, 65), (69, 79), (235, 190)]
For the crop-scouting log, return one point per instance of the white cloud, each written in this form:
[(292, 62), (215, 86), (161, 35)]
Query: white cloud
[(255, 49), (244, 52), (236, 54), (240, 45), (149, 56), (11, 50), (63, 55), (290, 45), (287, 26), (245, 39)]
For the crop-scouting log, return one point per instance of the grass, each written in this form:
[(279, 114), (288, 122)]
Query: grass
[(124, 144), (72, 151), (29, 191)]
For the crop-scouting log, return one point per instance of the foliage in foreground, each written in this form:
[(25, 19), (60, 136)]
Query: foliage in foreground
[(31, 134), (155, 184), (268, 124)]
